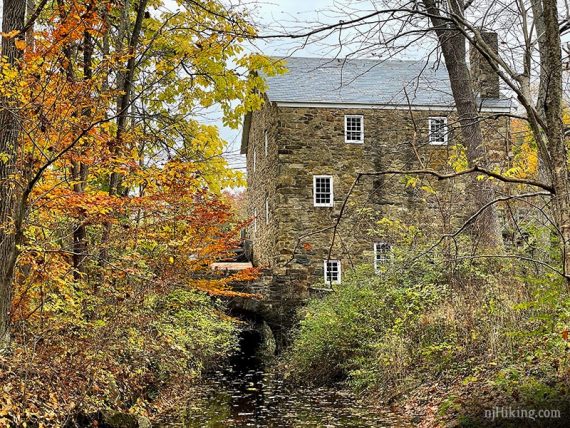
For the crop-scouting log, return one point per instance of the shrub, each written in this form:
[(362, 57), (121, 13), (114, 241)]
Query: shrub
[(340, 332), (137, 357), (405, 327)]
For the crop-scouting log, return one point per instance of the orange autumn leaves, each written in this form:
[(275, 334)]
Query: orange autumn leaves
[(168, 221), (124, 208)]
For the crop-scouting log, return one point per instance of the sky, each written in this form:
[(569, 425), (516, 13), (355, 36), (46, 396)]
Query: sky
[(289, 16), (270, 16)]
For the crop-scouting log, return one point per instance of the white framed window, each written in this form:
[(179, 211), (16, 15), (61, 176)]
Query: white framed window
[(254, 158), (254, 221), (267, 210), (353, 129), (332, 271), (266, 142), (438, 130), (323, 191), (382, 254)]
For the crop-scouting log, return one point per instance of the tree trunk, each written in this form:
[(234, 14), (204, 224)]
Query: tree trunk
[(551, 81), (125, 84), (80, 171), (31, 8), (13, 16), (486, 229)]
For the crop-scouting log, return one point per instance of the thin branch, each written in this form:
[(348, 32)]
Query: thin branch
[(33, 17), (306, 235), (341, 213), (474, 216), (514, 256), (474, 169)]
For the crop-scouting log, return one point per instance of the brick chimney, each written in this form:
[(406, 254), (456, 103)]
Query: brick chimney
[(485, 79)]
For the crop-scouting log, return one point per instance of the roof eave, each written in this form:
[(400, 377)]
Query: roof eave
[(380, 106)]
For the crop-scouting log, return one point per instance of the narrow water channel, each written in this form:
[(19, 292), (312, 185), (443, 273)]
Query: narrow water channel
[(245, 395)]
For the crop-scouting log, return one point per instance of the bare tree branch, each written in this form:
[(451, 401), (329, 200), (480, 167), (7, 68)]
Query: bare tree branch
[(33, 17), (474, 216), (474, 169)]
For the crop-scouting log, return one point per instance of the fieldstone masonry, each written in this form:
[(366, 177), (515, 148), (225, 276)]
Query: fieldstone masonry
[(483, 74), (310, 141), (287, 144)]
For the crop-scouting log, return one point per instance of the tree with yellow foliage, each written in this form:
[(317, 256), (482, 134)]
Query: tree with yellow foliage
[(107, 103), (111, 205)]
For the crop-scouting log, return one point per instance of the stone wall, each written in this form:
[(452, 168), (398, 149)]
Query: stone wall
[(310, 141), (261, 183)]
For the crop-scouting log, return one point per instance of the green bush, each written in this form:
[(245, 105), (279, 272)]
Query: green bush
[(412, 325), (342, 331), (193, 327), (139, 356)]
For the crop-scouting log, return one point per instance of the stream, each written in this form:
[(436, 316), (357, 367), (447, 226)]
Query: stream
[(246, 395)]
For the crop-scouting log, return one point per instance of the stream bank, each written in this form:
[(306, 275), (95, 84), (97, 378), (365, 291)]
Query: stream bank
[(248, 393)]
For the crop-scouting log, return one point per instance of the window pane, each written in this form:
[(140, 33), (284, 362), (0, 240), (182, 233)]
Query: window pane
[(382, 252), (353, 128), (332, 271), (438, 130), (323, 190)]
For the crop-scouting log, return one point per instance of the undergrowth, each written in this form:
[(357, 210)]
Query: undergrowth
[(478, 323), (138, 357)]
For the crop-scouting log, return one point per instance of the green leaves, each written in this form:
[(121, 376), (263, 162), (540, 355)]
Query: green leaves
[(344, 335)]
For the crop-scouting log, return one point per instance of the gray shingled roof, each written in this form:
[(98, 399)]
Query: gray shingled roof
[(364, 81)]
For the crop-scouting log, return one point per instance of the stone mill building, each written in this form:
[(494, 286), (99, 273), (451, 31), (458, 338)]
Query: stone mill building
[(326, 120)]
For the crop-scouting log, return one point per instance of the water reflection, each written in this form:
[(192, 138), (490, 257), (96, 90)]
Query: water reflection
[(246, 396)]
